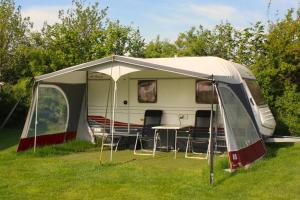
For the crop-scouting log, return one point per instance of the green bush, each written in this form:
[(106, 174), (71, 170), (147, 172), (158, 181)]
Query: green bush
[(9, 96), (288, 111)]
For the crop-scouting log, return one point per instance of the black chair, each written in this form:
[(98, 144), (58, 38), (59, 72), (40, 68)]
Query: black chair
[(199, 134), (146, 134)]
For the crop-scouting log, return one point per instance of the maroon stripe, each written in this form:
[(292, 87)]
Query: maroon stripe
[(42, 140), (247, 155), (102, 120)]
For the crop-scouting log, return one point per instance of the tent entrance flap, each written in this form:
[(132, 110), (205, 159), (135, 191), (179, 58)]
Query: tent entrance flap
[(244, 143)]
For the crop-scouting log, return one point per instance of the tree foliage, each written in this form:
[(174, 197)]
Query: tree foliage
[(83, 34), (278, 71), (13, 36), (160, 49)]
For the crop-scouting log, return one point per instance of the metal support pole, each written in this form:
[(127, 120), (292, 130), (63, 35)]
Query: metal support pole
[(216, 128), (211, 138), (36, 116), (113, 119), (87, 96)]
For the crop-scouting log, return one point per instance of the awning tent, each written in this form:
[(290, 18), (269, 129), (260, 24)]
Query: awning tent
[(244, 142)]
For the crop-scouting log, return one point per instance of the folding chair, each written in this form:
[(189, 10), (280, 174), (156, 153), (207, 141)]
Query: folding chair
[(199, 134), (147, 134), (100, 132)]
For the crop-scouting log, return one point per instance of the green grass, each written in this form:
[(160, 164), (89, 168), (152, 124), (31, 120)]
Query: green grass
[(72, 171)]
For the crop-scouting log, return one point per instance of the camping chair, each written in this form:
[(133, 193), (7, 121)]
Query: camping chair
[(199, 134), (100, 132), (147, 134)]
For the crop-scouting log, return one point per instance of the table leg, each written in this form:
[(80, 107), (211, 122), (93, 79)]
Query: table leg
[(154, 140), (175, 143), (167, 140)]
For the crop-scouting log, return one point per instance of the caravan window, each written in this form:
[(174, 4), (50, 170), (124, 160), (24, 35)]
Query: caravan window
[(204, 92), (255, 92), (147, 91)]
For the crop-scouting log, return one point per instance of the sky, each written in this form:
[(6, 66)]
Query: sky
[(167, 18)]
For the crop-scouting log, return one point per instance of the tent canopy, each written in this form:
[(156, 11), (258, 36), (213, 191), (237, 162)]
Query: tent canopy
[(200, 67)]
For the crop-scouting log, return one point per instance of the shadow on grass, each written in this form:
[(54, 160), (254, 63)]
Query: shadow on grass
[(9, 138), (114, 164), (221, 165), (220, 174), (74, 146), (272, 149)]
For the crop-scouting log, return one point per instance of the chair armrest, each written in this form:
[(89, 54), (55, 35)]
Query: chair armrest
[(144, 129), (184, 132)]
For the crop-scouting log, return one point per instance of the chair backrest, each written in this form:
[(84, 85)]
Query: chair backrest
[(202, 120), (151, 118)]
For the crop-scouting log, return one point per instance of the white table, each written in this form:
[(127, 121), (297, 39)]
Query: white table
[(167, 127)]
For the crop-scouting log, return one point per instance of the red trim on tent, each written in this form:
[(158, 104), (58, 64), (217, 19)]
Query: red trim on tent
[(102, 120), (247, 155), (42, 140)]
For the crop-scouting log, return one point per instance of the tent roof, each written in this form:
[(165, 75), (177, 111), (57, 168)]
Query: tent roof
[(200, 67)]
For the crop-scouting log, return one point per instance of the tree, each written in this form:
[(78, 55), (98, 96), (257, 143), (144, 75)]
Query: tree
[(194, 42), (250, 44), (224, 41), (120, 40), (278, 72), (136, 44), (84, 34), (160, 49), (220, 41), (13, 35), (76, 37)]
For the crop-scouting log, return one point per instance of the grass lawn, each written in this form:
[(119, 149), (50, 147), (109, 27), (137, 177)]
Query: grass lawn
[(72, 171)]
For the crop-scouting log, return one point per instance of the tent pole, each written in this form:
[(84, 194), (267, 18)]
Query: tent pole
[(10, 114), (105, 117), (128, 106), (216, 127), (107, 101), (87, 96), (36, 116), (211, 136), (113, 119)]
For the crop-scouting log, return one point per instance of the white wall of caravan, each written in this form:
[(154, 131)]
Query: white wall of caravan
[(175, 96)]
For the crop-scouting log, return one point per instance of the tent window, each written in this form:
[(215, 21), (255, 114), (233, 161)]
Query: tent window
[(204, 92), (241, 126), (147, 91), (255, 92), (52, 112)]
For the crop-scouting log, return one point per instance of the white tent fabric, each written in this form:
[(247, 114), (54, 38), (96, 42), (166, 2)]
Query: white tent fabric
[(222, 70), (201, 67)]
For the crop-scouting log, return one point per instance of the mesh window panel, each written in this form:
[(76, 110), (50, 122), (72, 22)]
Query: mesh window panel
[(52, 112), (242, 130)]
